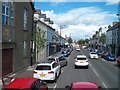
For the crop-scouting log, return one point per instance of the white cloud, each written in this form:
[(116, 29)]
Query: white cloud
[(110, 2), (80, 22)]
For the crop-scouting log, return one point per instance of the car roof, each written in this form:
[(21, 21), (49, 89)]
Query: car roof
[(93, 52), (81, 56), (21, 83), (85, 85), (46, 62)]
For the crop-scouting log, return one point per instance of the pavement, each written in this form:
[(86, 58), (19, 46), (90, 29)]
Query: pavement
[(26, 72)]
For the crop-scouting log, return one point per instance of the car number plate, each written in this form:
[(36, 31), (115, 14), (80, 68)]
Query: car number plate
[(81, 62), (42, 75)]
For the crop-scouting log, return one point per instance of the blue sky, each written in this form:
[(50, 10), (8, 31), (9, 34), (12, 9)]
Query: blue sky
[(85, 17), (65, 6)]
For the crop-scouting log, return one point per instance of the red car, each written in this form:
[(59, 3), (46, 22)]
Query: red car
[(27, 83), (83, 86), (118, 61)]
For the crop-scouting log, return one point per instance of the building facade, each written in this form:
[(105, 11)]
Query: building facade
[(45, 24), (17, 18)]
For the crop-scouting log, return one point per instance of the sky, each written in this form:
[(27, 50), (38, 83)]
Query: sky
[(79, 19)]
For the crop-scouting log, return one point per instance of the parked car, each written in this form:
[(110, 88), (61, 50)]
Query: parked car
[(63, 61), (49, 70), (109, 57), (81, 60), (66, 53), (54, 58), (93, 55), (103, 53), (118, 61), (99, 52), (25, 83), (83, 86), (59, 58)]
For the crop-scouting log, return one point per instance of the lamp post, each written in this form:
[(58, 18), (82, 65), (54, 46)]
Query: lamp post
[(61, 27)]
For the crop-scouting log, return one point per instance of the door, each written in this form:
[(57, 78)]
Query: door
[(7, 56)]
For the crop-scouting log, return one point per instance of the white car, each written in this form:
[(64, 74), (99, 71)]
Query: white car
[(77, 49), (81, 60), (93, 55), (47, 71)]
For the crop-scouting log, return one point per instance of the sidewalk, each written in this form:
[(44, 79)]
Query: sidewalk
[(27, 72)]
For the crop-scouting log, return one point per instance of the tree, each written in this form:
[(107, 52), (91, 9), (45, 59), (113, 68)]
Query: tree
[(70, 40), (39, 39), (81, 41)]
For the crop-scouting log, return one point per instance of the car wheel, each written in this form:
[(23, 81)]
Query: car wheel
[(66, 63), (75, 66), (55, 80), (87, 67), (60, 71)]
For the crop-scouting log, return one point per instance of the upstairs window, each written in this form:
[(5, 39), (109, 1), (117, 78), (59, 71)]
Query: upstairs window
[(5, 12), (25, 19)]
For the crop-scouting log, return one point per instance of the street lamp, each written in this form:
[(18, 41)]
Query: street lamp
[(61, 27)]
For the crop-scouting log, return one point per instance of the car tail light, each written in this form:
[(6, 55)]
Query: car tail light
[(51, 72), (34, 72), (76, 61)]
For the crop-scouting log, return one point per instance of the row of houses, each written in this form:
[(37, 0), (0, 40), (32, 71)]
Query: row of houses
[(111, 41), (20, 22)]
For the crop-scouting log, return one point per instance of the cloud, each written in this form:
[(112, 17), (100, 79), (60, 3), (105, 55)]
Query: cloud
[(80, 22), (110, 2)]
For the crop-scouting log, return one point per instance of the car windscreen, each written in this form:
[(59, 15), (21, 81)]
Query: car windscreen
[(43, 67), (81, 58), (51, 59)]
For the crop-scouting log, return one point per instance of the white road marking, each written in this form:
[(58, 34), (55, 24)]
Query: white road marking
[(99, 76), (95, 72), (90, 64), (55, 86), (104, 84)]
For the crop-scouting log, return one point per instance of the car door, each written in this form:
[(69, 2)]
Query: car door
[(56, 68), (62, 60)]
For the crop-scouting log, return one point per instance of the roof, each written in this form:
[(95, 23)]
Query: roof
[(21, 83)]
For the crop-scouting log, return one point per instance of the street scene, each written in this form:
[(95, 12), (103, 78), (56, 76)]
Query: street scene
[(60, 45)]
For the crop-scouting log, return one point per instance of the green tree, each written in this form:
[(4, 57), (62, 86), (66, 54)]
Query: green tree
[(81, 41), (103, 38), (70, 40), (40, 38)]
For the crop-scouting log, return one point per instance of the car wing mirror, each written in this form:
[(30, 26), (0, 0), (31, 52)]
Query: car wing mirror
[(99, 87)]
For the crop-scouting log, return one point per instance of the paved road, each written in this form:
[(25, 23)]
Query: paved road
[(103, 72)]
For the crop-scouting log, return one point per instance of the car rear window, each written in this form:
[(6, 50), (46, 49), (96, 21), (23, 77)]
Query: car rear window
[(62, 58), (93, 53), (43, 67), (51, 59), (81, 58)]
